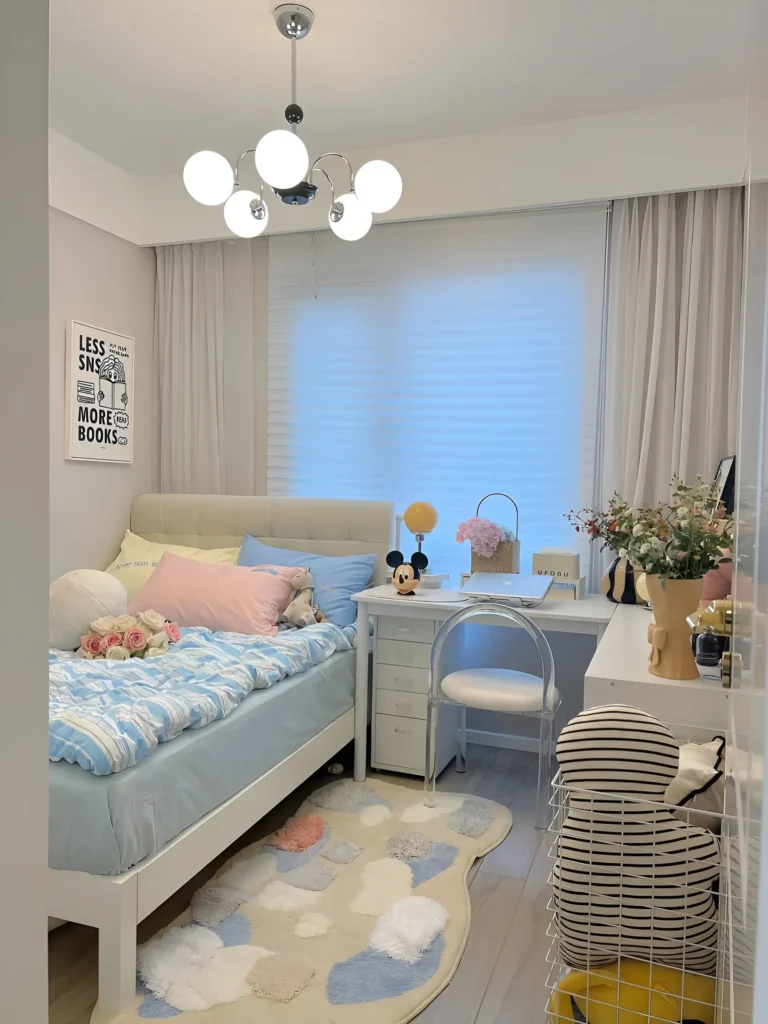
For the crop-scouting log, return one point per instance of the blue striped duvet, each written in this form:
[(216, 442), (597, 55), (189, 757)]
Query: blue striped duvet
[(106, 716)]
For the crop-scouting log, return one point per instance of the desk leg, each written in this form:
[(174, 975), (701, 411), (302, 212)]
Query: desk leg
[(361, 694)]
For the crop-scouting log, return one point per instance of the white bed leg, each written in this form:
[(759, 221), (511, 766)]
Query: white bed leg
[(117, 954), (361, 694)]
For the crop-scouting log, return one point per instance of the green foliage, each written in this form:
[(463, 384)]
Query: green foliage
[(682, 540)]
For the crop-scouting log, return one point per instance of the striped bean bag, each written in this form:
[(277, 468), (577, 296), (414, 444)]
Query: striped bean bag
[(630, 879)]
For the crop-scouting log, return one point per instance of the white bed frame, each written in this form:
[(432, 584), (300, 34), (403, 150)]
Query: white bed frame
[(115, 904)]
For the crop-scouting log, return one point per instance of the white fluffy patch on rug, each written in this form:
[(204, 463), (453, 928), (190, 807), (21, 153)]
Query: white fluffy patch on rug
[(171, 957), (311, 925), (374, 815), (248, 874), (384, 881), (222, 980), (277, 895), (445, 803), (408, 927)]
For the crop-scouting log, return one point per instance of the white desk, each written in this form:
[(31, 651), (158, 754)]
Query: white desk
[(403, 631), (618, 674)]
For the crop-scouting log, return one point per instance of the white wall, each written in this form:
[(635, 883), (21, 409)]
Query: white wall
[(103, 280), (24, 508), (664, 149)]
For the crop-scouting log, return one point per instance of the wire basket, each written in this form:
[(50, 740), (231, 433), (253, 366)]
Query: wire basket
[(611, 980)]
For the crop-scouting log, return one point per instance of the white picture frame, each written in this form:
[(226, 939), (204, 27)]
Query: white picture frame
[(99, 394)]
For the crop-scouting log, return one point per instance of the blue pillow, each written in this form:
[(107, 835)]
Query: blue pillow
[(336, 577)]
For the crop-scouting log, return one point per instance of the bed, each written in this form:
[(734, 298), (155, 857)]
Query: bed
[(122, 844)]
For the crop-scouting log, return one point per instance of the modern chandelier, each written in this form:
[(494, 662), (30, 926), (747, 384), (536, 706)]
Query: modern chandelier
[(282, 163)]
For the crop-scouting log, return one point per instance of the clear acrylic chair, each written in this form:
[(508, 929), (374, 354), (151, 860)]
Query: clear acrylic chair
[(493, 689)]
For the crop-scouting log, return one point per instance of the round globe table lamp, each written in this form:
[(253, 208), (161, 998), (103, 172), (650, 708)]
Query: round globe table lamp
[(421, 519)]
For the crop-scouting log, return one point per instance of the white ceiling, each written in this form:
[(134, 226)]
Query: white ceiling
[(145, 83)]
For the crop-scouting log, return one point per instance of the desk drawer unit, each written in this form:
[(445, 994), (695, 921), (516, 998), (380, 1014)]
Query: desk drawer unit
[(407, 705), (401, 742), (401, 677), (403, 652)]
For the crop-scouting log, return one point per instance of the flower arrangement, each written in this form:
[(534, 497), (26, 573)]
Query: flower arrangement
[(483, 535), (681, 540), (146, 635)]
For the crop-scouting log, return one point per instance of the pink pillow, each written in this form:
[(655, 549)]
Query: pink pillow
[(718, 582), (233, 598)]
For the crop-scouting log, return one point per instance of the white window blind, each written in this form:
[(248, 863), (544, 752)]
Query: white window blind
[(437, 361)]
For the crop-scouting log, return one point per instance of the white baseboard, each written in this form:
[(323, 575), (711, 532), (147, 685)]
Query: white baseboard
[(503, 739)]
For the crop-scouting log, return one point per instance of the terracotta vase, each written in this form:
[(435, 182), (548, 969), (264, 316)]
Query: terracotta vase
[(669, 634)]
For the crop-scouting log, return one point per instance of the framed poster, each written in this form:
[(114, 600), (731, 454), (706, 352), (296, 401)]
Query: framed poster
[(99, 398), (725, 481)]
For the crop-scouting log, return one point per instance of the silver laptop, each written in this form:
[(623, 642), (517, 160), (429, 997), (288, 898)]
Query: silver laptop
[(508, 586)]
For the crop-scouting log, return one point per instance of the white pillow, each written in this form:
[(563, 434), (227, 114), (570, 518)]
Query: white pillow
[(698, 786), (76, 599)]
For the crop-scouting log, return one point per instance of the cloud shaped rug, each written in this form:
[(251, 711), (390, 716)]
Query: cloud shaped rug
[(355, 912)]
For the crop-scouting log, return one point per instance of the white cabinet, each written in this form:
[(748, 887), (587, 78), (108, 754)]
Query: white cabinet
[(402, 649)]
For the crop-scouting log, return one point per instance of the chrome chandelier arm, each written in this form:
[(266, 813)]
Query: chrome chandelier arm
[(237, 167), (341, 157), (327, 178)]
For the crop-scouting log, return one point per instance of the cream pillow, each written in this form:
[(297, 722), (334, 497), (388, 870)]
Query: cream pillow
[(138, 559)]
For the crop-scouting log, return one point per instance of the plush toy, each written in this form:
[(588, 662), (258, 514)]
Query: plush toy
[(633, 992), (301, 611), (406, 575), (630, 879), (76, 599)]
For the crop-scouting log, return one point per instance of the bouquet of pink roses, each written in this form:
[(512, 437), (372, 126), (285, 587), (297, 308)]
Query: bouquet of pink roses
[(117, 639)]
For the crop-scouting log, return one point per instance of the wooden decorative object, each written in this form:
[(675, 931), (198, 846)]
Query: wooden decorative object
[(671, 656)]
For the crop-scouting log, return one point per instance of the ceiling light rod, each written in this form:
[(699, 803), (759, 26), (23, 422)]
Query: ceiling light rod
[(282, 160)]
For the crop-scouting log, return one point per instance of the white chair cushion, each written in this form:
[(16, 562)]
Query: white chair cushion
[(498, 689)]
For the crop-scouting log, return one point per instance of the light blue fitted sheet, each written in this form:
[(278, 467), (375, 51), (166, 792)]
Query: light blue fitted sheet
[(105, 825)]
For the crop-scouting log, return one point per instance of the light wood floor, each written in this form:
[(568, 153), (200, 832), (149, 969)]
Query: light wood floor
[(501, 978)]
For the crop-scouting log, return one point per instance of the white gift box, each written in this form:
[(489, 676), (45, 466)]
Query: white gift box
[(560, 563)]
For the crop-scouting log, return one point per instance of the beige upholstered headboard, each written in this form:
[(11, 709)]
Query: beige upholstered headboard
[(323, 526)]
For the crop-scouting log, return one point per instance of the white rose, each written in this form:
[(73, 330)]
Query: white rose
[(153, 620), (82, 653), (159, 641), (106, 624), (117, 653), (637, 529), (683, 524), (644, 549), (124, 622), (622, 552), (153, 652), (682, 511)]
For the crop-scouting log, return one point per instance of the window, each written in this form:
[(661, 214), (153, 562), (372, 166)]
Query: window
[(440, 360)]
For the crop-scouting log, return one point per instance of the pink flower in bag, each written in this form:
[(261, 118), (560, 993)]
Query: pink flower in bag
[(173, 631), (135, 639), (91, 643), (109, 640)]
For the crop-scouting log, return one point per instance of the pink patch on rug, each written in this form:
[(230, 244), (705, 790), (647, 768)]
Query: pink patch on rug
[(298, 834)]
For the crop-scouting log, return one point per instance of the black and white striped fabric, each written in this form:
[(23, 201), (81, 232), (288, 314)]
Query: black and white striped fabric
[(630, 879)]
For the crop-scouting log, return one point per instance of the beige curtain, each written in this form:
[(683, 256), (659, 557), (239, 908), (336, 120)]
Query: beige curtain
[(210, 327), (673, 339)]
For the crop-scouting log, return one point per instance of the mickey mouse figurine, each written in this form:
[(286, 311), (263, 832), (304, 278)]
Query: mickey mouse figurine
[(406, 575)]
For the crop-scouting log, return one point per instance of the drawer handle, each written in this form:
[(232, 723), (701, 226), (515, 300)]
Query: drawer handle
[(406, 732)]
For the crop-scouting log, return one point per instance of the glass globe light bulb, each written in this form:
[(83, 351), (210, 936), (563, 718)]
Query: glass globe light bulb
[(239, 215), (355, 220), (378, 186), (208, 177), (281, 159)]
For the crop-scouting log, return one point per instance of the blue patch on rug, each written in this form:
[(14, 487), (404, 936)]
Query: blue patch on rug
[(154, 1008), (369, 976), (287, 861), (439, 859), (347, 796), (234, 930)]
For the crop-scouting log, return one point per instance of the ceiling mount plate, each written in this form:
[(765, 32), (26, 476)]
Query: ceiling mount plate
[(293, 21)]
